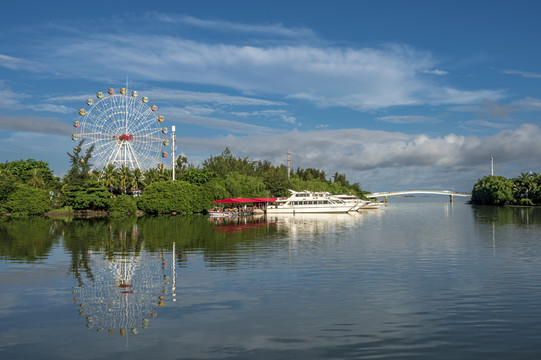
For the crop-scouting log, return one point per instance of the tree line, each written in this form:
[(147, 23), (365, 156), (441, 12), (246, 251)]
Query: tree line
[(522, 190), (29, 186)]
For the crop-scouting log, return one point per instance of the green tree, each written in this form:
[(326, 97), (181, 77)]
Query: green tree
[(90, 196), (523, 186), (152, 176), (240, 185), (80, 165), (493, 190), (181, 164), (122, 205), (199, 176), (24, 170), (108, 177), (172, 196), (536, 191), (124, 179), (36, 178), (226, 162), (28, 200), (8, 184), (138, 179)]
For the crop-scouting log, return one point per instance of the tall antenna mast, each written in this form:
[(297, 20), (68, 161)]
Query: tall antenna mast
[(288, 164), (173, 137)]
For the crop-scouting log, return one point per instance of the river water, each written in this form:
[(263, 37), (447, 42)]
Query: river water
[(422, 278)]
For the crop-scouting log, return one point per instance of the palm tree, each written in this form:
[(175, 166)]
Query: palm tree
[(138, 179), (523, 185), (152, 175), (166, 174), (36, 178), (108, 177), (180, 165), (124, 178)]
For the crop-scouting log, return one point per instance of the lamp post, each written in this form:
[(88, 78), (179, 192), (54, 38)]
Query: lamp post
[(173, 149)]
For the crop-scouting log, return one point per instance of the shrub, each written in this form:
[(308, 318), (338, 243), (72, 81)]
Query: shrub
[(122, 204), (172, 196), (91, 197), (27, 200)]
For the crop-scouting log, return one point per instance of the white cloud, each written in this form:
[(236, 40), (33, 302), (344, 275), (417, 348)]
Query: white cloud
[(281, 114), (227, 26), (9, 99), (436, 72), (451, 160), (525, 74), (14, 63), (207, 97), (358, 78), (61, 109), (527, 104), (487, 124), (408, 119), (181, 116)]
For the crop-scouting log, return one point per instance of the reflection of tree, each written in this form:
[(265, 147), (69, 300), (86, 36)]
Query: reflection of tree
[(26, 239), (78, 237), (507, 215)]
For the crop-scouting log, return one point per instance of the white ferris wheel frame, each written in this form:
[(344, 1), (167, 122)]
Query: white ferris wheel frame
[(124, 130)]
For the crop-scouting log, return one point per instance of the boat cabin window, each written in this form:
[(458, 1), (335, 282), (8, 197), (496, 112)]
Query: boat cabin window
[(310, 202)]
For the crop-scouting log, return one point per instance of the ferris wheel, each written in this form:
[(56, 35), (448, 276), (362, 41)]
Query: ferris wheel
[(124, 130)]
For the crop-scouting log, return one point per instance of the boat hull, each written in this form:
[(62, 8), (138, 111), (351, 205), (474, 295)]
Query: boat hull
[(216, 214), (308, 209)]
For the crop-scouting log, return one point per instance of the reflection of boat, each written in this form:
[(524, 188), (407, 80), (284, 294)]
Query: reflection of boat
[(307, 202), (309, 225)]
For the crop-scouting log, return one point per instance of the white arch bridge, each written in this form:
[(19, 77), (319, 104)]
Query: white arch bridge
[(451, 194)]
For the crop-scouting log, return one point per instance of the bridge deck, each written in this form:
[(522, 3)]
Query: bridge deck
[(408, 192)]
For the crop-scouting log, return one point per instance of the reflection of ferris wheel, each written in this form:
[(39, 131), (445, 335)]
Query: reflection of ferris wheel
[(124, 130), (125, 291)]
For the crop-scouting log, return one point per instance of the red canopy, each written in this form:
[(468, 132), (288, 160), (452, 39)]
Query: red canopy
[(224, 201), (264, 199), (233, 201)]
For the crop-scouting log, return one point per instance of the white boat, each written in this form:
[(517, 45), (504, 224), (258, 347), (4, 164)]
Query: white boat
[(218, 213), (372, 205), (307, 202), (358, 204)]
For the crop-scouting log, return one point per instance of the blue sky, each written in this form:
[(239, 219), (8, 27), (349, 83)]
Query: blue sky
[(395, 94)]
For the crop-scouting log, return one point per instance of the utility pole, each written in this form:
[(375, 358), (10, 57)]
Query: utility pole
[(173, 148), (491, 166)]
